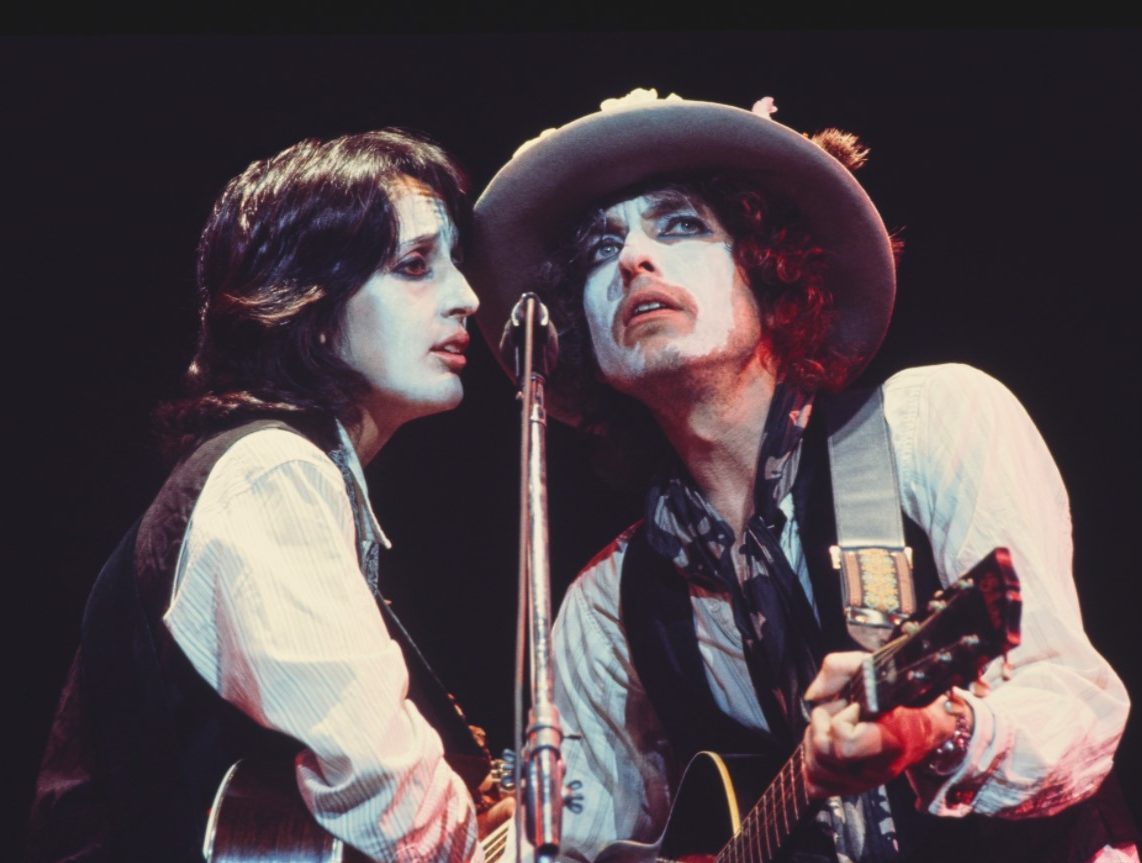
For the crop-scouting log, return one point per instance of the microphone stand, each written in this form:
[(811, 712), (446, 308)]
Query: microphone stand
[(533, 345)]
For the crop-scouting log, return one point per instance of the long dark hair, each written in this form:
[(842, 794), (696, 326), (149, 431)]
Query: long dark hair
[(288, 243)]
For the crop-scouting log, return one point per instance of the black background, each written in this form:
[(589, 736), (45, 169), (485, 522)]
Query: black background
[(1009, 161)]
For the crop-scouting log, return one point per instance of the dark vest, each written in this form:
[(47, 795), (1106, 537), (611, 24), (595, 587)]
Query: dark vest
[(657, 617), (140, 741)]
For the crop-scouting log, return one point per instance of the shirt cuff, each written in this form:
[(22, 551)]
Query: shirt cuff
[(954, 795)]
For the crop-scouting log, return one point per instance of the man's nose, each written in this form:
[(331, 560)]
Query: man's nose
[(638, 255)]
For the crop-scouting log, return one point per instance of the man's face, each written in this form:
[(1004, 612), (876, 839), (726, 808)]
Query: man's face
[(404, 329), (663, 292)]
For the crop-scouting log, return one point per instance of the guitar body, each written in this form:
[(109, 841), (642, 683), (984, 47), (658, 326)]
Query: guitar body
[(259, 817), (713, 797)]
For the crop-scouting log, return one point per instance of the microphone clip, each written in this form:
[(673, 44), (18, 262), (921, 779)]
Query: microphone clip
[(529, 313)]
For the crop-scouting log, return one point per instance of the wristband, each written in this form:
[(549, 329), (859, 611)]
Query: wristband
[(949, 755)]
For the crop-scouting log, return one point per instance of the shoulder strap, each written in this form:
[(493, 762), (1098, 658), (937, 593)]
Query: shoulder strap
[(875, 563)]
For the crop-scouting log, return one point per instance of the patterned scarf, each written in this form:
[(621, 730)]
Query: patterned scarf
[(779, 631)]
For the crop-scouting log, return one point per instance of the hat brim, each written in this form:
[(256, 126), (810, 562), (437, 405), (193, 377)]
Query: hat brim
[(520, 215)]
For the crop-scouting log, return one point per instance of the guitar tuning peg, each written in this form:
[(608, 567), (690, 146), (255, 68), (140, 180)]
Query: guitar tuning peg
[(572, 799), (910, 627), (503, 770)]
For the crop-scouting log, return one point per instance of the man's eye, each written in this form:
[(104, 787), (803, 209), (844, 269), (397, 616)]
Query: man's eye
[(414, 266), (603, 249), (684, 226)]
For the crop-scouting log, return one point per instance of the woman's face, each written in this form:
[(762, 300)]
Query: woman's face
[(404, 329)]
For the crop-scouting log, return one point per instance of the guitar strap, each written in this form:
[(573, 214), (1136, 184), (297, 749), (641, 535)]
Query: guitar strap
[(874, 561)]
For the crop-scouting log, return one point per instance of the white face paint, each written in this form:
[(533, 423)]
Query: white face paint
[(663, 291), (404, 329)]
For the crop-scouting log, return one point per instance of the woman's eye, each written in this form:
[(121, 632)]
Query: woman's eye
[(414, 266)]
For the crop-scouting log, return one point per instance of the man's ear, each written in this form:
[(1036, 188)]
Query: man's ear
[(764, 350)]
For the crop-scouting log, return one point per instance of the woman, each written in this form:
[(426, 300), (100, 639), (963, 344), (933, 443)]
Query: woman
[(238, 617)]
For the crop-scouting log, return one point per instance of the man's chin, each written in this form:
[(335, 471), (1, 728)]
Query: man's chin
[(647, 369)]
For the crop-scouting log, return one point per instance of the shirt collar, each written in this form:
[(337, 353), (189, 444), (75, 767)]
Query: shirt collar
[(358, 472)]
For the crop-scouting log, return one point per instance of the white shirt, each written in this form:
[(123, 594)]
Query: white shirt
[(974, 474), (271, 608)]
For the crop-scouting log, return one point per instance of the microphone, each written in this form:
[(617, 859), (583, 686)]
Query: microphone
[(545, 349)]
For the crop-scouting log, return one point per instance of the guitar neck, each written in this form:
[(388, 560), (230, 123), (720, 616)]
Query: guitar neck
[(775, 815), (966, 625)]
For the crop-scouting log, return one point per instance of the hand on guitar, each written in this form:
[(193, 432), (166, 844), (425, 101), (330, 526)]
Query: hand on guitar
[(847, 755), (492, 818)]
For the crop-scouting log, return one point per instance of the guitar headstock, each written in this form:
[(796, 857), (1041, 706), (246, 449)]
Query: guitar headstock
[(964, 627)]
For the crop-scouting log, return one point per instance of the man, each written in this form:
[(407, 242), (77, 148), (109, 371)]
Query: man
[(715, 277), (240, 617)]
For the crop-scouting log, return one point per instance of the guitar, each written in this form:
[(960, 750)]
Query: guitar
[(963, 628), (258, 817)]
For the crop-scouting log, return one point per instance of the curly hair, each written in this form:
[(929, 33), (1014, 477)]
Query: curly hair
[(785, 270), (289, 241)]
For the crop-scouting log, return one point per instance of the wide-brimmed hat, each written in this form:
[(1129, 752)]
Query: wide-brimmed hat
[(527, 208)]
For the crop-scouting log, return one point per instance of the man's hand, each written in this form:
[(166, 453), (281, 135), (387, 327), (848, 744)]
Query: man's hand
[(844, 755)]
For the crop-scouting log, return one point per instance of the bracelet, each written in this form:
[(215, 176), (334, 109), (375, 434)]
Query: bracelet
[(949, 755)]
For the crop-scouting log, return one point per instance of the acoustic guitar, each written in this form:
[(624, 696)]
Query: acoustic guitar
[(963, 628)]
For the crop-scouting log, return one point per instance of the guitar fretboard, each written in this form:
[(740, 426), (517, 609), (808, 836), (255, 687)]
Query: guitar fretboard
[(773, 817)]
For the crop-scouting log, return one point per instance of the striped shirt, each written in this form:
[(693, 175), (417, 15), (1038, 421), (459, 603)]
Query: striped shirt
[(271, 608)]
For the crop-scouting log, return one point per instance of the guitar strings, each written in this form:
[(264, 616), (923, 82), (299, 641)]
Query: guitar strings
[(771, 816), (496, 842), (772, 808)]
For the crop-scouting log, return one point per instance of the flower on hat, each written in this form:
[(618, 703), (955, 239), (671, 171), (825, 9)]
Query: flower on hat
[(765, 107), (636, 98)]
